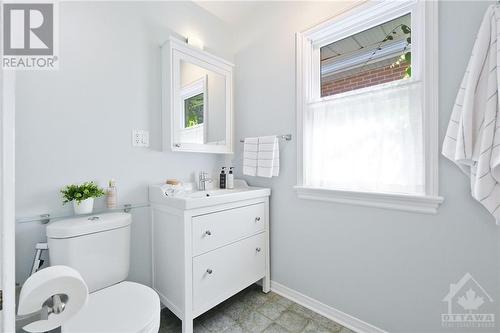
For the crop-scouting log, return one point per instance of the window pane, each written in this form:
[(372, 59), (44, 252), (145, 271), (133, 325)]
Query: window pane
[(193, 111), (369, 142), (378, 55)]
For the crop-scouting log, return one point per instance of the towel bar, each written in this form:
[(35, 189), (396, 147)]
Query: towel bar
[(286, 137)]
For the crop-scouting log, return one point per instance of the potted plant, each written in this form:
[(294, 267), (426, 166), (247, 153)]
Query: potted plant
[(82, 196)]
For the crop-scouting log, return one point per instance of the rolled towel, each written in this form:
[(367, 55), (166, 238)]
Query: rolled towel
[(172, 190)]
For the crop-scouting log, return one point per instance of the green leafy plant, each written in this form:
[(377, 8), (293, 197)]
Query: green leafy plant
[(405, 57), (81, 192)]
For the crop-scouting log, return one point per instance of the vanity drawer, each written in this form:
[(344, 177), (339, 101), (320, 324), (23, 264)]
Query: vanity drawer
[(221, 273), (218, 229)]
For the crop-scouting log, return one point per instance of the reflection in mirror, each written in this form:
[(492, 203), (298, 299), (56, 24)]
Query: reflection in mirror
[(201, 115), (193, 110)]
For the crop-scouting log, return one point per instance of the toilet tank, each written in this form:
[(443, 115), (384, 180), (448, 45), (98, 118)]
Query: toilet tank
[(97, 246)]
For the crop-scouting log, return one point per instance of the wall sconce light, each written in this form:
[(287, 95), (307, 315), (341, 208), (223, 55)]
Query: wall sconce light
[(196, 42)]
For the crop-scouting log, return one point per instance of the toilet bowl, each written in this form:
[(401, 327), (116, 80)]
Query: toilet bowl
[(98, 247)]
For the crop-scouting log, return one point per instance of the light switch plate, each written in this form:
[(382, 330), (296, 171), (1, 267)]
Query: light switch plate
[(140, 138)]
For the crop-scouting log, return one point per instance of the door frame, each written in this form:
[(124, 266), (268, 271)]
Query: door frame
[(7, 200)]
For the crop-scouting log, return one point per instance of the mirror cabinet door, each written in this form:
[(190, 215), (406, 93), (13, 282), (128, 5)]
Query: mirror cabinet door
[(200, 106)]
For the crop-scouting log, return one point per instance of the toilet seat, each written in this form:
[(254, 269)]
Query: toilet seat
[(124, 307)]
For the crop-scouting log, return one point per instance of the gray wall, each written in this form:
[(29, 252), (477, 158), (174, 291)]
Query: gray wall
[(388, 268), (75, 124)]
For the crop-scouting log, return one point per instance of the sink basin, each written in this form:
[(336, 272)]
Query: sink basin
[(196, 199)]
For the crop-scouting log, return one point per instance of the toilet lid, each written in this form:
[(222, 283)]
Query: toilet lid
[(123, 307)]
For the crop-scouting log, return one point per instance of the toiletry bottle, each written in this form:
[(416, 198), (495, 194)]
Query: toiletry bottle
[(230, 178), (222, 178), (111, 195)]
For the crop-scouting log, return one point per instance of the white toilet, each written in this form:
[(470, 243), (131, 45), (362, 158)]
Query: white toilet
[(99, 248)]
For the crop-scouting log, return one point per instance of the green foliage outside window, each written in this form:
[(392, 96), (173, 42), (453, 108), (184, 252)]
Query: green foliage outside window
[(405, 57), (193, 111)]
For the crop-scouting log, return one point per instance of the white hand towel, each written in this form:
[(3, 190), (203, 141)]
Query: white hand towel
[(172, 190), (276, 161), (250, 155), (268, 157)]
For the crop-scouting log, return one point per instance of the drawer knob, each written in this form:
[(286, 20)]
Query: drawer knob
[(209, 271), (208, 233), (258, 249), (257, 219)]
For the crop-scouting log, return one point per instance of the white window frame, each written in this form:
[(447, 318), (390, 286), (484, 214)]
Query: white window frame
[(424, 16)]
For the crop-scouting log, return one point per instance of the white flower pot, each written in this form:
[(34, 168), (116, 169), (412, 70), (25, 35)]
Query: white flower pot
[(84, 207)]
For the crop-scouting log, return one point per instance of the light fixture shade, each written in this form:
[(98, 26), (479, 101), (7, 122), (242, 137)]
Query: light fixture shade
[(196, 42)]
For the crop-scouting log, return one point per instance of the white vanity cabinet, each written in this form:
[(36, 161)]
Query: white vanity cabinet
[(206, 249)]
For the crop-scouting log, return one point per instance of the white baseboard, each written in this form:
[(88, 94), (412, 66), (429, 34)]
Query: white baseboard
[(338, 316)]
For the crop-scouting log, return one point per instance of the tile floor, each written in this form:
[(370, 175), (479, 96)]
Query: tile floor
[(252, 311)]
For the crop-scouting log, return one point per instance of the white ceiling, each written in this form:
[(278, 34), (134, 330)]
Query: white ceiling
[(228, 11)]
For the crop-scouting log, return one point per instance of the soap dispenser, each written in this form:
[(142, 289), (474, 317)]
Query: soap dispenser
[(111, 201), (222, 178), (230, 178)]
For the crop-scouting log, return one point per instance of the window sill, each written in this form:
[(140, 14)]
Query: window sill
[(411, 203)]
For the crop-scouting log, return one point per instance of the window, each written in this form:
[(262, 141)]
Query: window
[(367, 107), (193, 110), (374, 56)]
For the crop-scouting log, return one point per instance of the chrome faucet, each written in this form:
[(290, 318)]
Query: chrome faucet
[(203, 180)]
